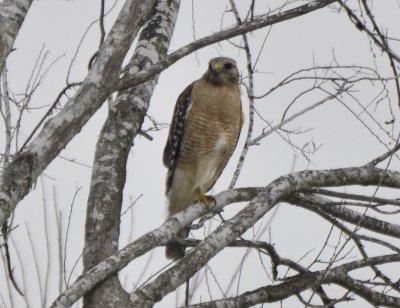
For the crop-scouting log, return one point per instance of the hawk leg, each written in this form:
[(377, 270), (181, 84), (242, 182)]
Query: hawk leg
[(206, 199)]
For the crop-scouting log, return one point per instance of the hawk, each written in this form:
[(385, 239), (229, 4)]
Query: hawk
[(203, 134)]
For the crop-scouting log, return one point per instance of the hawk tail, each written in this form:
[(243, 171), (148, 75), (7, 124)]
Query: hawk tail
[(174, 250)]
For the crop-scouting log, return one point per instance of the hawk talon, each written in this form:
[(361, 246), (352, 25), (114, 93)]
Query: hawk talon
[(206, 199), (211, 201)]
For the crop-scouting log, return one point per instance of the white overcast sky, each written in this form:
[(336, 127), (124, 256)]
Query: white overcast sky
[(314, 38)]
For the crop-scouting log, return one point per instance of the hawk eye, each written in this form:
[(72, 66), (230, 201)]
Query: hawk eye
[(228, 66)]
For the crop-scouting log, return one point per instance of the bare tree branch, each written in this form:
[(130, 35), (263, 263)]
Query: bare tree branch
[(267, 294), (155, 238), (279, 190), (359, 224), (295, 285), (125, 117), (250, 96), (133, 78), (19, 176), (99, 83), (12, 15), (365, 221), (296, 115)]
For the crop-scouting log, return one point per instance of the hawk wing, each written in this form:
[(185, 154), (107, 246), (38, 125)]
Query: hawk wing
[(172, 147)]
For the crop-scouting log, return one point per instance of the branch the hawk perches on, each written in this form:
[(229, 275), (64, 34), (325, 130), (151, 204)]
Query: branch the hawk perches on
[(204, 132)]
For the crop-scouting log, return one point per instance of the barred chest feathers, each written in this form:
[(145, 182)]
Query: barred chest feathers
[(203, 135)]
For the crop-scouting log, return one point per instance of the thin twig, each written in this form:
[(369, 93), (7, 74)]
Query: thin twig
[(381, 158), (7, 118), (250, 96), (36, 263), (341, 195), (386, 48), (101, 23), (4, 231), (58, 220), (49, 111), (66, 282), (297, 114), (47, 236), (7, 283), (360, 26), (23, 271)]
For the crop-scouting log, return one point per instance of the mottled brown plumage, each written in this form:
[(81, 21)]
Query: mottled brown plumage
[(203, 135)]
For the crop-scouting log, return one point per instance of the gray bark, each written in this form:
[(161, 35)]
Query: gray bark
[(125, 117), (294, 285), (99, 284), (17, 179), (267, 294), (263, 200), (12, 15), (259, 22), (19, 176), (278, 191), (315, 204)]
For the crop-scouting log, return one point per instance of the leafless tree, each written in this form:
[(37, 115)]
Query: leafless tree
[(357, 205)]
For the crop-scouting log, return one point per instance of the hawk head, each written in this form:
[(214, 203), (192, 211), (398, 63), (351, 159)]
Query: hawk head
[(222, 71)]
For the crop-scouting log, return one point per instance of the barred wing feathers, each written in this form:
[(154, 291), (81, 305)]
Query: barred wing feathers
[(175, 136)]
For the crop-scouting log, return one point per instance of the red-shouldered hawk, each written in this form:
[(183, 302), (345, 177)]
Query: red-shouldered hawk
[(204, 132)]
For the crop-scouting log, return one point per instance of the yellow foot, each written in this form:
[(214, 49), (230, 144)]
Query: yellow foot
[(205, 199)]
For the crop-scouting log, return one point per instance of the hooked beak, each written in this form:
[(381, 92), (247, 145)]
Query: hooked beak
[(215, 69)]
